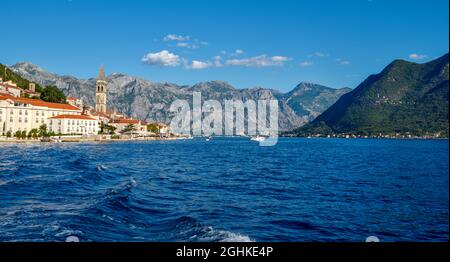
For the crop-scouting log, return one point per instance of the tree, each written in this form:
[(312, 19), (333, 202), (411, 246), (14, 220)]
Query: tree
[(23, 135), (18, 134), (43, 131), (154, 128), (107, 129), (128, 128), (53, 94), (33, 133), (9, 134)]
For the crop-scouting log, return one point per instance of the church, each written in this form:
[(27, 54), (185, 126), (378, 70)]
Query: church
[(111, 117), (101, 92)]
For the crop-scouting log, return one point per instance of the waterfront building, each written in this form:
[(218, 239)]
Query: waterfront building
[(163, 129), (73, 124), (24, 114), (121, 125)]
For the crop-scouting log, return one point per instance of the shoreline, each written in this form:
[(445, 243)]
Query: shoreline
[(84, 140)]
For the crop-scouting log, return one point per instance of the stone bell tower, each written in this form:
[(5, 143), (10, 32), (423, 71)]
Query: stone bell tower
[(100, 93)]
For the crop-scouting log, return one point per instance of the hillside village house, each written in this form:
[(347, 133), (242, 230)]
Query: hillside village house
[(9, 88), (75, 102), (73, 124)]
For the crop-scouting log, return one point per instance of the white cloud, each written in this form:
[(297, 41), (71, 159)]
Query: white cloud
[(342, 61), (182, 44), (239, 52), (163, 58), (417, 56), (280, 58), (172, 37), (198, 65), (217, 61), (306, 63), (318, 54), (187, 45), (259, 61)]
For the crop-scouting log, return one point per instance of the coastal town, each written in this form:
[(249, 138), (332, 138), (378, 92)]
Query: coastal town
[(26, 117)]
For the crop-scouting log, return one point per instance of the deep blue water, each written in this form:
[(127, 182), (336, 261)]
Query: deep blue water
[(226, 190)]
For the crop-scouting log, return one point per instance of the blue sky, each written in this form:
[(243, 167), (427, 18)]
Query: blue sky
[(274, 44)]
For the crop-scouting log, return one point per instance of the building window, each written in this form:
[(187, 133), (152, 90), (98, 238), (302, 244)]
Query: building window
[(26, 120), (20, 120), (20, 112)]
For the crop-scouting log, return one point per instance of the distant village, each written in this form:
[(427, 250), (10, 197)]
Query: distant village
[(23, 116)]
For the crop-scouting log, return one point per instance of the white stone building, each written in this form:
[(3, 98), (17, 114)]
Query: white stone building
[(23, 114), (8, 88), (139, 127), (73, 124), (78, 102)]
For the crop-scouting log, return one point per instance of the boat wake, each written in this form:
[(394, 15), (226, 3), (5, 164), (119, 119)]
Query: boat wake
[(190, 230)]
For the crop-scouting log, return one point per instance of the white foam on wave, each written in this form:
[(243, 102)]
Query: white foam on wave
[(210, 234), (133, 182), (101, 167), (4, 182), (235, 237)]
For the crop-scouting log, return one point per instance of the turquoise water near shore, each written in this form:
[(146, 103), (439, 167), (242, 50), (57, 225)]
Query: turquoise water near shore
[(229, 189)]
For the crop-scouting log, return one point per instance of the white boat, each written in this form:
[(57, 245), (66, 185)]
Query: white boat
[(209, 139), (55, 140), (258, 138)]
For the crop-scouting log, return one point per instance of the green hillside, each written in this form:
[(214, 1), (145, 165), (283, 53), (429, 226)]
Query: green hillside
[(7, 75), (405, 98)]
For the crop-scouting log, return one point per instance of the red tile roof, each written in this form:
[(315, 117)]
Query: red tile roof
[(72, 117), (37, 102)]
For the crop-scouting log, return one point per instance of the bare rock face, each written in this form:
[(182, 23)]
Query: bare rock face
[(151, 101)]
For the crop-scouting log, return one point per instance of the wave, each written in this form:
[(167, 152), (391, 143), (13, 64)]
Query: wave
[(189, 229)]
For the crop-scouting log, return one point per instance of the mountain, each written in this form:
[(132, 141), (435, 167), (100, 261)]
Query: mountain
[(405, 98), (151, 101), (7, 74), (312, 99)]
